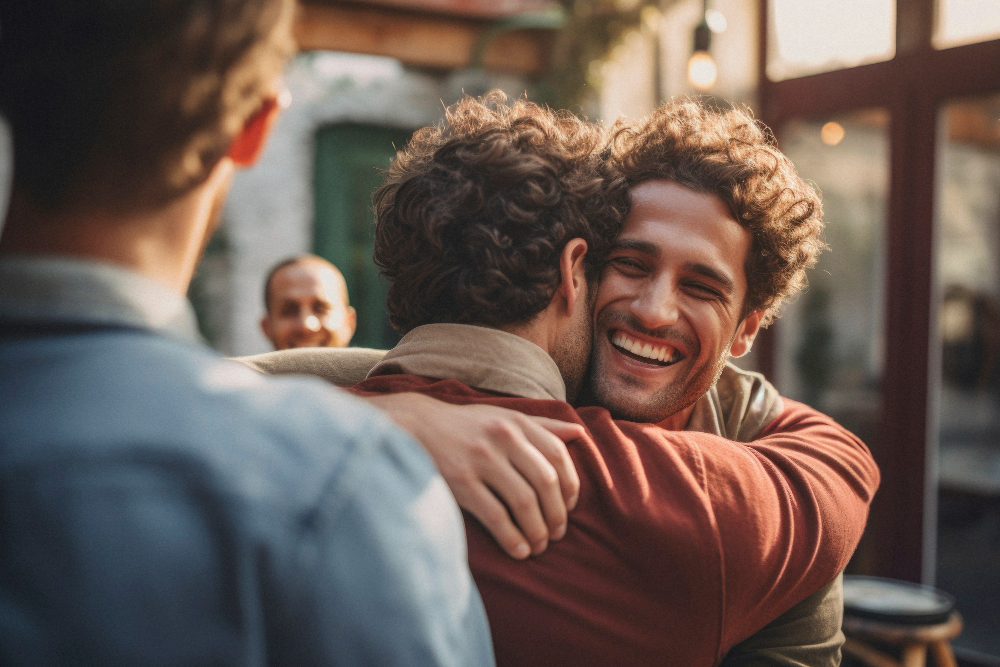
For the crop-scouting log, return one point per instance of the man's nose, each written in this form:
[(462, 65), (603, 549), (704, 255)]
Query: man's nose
[(657, 305), (310, 323)]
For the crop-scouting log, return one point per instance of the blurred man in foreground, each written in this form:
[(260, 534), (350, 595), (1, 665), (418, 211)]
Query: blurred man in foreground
[(307, 305), (162, 506), (492, 230)]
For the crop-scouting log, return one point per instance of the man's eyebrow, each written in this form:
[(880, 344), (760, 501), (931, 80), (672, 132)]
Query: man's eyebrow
[(637, 245), (727, 284)]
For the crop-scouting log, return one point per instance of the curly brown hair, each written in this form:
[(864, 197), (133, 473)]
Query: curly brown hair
[(475, 212), (130, 104), (729, 154)]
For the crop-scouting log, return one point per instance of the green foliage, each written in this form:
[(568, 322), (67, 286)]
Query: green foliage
[(591, 31)]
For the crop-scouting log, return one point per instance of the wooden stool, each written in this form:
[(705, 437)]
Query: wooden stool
[(898, 614), (913, 639)]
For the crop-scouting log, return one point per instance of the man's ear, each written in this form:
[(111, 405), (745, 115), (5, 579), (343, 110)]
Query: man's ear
[(746, 331), (351, 321), (265, 326), (573, 276), (249, 143)]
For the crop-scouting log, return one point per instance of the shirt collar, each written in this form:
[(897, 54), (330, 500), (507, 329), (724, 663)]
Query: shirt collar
[(48, 289), (480, 357)]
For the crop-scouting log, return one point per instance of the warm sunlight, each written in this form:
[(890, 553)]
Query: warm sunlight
[(966, 21), (810, 36)]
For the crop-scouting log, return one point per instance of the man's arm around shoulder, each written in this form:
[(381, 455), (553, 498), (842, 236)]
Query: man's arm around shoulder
[(826, 479)]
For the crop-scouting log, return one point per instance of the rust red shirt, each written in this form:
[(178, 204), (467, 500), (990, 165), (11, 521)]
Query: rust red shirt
[(682, 543)]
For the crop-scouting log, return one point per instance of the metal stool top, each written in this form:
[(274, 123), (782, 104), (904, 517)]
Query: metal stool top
[(895, 601)]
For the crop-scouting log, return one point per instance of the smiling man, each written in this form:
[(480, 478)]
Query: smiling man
[(670, 305), (307, 305), (719, 233)]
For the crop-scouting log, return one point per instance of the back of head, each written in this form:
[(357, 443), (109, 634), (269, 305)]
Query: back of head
[(475, 212), (127, 104), (728, 154)]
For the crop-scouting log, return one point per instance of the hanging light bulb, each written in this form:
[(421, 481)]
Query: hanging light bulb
[(702, 70)]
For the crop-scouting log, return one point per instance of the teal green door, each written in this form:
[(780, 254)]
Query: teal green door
[(349, 163)]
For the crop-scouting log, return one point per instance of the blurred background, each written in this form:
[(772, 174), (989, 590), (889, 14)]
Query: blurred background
[(891, 108)]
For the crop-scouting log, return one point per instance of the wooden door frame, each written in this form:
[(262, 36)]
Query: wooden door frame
[(912, 86)]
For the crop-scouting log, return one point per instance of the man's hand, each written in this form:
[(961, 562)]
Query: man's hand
[(509, 470)]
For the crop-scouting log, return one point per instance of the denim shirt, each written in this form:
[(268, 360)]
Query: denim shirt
[(162, 506)]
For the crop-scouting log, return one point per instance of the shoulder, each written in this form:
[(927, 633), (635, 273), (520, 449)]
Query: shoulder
[(747, 401), (796, 415), (123, 396), (341, 366)]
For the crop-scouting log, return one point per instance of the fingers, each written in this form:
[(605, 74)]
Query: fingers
[(551, 441), (543, 479), (523, 480), (538, 515), (511, 471), (481, 502)]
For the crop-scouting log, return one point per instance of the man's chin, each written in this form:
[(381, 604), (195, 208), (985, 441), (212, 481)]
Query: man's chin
[(296, 345), (626, 397)]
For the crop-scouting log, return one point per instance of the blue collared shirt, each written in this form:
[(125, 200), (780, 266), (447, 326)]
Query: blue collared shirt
[(162, 506)]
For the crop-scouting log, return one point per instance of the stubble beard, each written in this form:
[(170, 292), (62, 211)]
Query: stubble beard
[(572, 352), (623, 395)]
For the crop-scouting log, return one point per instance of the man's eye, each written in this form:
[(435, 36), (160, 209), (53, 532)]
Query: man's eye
[(627, 264), (704, 291)]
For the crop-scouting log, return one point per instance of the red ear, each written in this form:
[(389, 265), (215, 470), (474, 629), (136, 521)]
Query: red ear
[(248, 144)]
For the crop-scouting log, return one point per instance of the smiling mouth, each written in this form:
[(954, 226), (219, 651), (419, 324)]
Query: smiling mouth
[(659, 355)]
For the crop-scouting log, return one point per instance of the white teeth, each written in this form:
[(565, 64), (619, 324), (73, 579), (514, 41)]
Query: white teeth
[(642, 349)]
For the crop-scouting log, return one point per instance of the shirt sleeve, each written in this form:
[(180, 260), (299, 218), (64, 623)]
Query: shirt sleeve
[(382, 576), (790, 508), (785, 511), (807, 635)]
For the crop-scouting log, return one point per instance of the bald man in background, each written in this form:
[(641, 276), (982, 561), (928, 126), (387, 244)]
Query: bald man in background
[(307, 305)]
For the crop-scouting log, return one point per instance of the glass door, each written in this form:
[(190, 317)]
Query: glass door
[(829, 339), (967, 284)]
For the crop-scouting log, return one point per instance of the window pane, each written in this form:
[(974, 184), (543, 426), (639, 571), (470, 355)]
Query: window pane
[(966, 21), (811, 36), (830, 338), (968, 415)]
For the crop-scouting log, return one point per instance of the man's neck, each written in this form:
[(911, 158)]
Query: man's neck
[(164, 244), (677, 421), (534, 331)]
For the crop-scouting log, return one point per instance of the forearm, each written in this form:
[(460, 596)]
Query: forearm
[(824, 479), (788, 508)]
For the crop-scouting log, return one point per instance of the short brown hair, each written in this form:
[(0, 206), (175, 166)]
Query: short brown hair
[(130, 104), (729, 154), (475, 212)]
